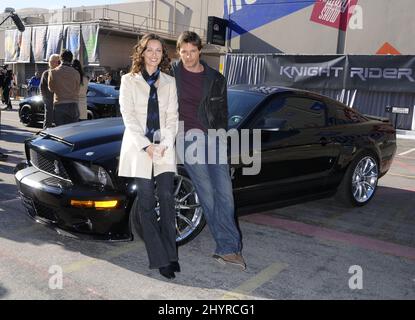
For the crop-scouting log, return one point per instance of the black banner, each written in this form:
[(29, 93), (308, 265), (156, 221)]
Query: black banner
[(373, 73)]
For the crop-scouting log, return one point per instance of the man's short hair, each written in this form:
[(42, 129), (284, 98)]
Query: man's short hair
[(189, 37), (66, 56)]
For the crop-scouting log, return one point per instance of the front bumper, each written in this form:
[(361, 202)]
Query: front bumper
[(47, 201)]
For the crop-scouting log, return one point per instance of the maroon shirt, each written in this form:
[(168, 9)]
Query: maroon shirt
[(190, 97)]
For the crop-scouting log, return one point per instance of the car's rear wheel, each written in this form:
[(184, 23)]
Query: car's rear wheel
[(190, 220), (26, 115), (360, 182)]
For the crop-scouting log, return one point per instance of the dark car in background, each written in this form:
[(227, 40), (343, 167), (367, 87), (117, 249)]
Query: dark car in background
[(102, 102), (311, 147)]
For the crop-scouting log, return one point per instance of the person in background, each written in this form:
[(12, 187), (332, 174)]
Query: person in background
[(64, 81), (109, 80), (47, 95), (34, 83), (7, 85), (3, 71), (82, 103), (148, 103), (101, 79)]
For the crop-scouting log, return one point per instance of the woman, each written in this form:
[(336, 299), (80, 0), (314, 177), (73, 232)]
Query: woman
[(149, 108), (83, 88)]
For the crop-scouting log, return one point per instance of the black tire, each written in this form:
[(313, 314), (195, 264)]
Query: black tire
[(190, 222), (348, 193), (91, 115), (26, 115), (135, 223)]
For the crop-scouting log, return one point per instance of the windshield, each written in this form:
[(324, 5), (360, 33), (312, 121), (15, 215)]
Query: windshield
[(240, 104)]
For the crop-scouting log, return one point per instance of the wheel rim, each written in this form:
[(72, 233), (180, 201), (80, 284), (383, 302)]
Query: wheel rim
[(364, 180), (25, 115), (188, 209)]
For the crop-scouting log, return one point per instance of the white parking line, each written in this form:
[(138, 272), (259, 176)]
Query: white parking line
[(407, 152), (241, 292)]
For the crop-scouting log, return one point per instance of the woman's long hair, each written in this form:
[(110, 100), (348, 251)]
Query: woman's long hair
[(138, 54), (76, 64)]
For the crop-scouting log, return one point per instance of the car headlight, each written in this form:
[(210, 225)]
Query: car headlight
[(37, 98), (94, 174)]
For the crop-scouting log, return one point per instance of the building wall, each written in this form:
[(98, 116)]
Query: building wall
[(115, 51), (286, 26), (384, 21), (290, 34)]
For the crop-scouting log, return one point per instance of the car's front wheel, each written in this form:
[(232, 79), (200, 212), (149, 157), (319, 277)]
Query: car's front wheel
[(360, 182), (190, 220), (91, 115), (26, 115)]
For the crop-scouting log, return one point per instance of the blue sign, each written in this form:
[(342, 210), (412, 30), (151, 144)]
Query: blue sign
[(247, 15)]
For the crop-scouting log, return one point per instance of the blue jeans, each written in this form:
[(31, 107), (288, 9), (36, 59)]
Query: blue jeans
[(213, 186)]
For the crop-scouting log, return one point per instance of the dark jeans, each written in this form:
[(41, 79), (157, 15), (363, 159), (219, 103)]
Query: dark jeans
[(214, 187), (159, 236), (48, 122), (64, 113), (6, 98)]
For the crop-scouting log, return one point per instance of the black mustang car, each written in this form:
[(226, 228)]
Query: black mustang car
[(102, 102), (311, 147)]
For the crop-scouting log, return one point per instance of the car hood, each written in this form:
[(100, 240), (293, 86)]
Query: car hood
[(30, 100), (88, 136)]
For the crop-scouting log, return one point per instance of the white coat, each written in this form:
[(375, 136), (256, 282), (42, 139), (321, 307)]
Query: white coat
[(134, 93)]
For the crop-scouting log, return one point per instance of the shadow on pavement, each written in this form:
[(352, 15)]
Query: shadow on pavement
[(389, 216), (378, 220)]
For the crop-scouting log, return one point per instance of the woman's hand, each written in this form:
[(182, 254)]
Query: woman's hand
[(156, 151)]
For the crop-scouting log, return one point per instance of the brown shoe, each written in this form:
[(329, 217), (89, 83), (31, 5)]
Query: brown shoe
[(235, 259)]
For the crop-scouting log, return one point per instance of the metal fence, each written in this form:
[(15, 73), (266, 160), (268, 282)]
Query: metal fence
[(111, 18)]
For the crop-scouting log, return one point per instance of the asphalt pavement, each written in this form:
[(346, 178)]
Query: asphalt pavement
[(316, 250)]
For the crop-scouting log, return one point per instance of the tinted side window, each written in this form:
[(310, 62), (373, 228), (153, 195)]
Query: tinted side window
[(345, 115), (293, 113)]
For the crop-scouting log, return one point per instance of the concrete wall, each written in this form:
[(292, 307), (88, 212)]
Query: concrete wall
[(384, 21), (290, 34), (115, 51), (286, 26)]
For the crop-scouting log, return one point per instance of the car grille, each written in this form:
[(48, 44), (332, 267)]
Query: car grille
[(36, 209), (48, 164)]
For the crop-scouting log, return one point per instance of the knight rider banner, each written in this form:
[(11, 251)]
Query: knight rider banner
[(12, 41), (72, 39), (39, 44), (90, 44), (389, 73), (54, 40), (25, 46)]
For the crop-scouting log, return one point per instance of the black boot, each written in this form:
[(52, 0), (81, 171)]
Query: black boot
[(175, 266), (167, 272)]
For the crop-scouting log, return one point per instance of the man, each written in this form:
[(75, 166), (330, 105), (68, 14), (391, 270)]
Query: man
[(202, 95), (47, 95), (109, 80), (7, 85), (34, 83), (64, 82)]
